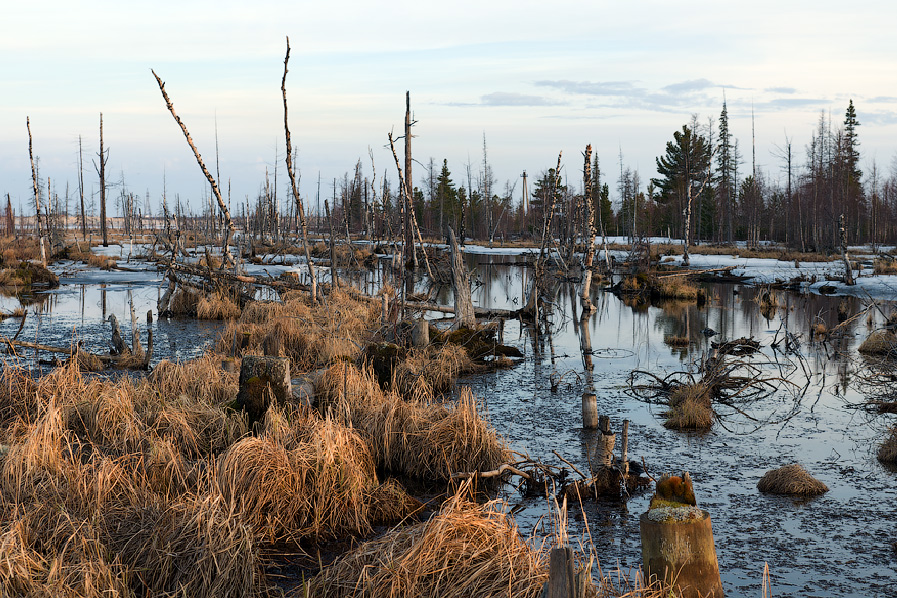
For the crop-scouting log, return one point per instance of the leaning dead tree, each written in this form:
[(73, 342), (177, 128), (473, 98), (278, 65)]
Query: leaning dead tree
[(410, 217), (588, 230), (225, 248), (303, 223), (40, 232)]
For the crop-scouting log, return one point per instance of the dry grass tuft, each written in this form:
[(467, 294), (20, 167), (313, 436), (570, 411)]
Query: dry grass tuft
[(884, 265), (675, 287), (309, 482), (676, 341), (423, 439), (887, 452), (791, 479), (464, 550), (880, 342), (217, 307), (690, 407), (430, 371)]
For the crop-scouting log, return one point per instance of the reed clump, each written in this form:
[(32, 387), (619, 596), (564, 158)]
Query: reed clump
[(887, 451), (884, 265), (880, 342), (423, 439), (675, 287), (791, 479), (312, 337), (690, 407), (303, 477), (464, 550), (432, 370), (217, 306)]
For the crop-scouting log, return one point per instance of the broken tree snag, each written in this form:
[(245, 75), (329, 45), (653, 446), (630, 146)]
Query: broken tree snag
[(589, 410), (225, 249), (848, 271), (119, 346), (465, 316), (300, 209), (588, 232), (40, 233)]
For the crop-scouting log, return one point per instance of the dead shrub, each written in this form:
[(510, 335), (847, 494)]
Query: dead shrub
[(791, 479)]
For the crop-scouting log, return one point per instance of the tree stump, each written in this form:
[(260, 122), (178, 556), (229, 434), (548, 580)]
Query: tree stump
[(263, 381), (677, 547)]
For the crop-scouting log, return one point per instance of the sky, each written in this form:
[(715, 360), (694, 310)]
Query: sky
[(532, 78)]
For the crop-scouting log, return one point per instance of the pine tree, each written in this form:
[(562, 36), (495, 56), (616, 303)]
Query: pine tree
[(725, 191)]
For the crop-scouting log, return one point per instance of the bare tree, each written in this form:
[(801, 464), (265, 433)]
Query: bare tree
[(294, 187)]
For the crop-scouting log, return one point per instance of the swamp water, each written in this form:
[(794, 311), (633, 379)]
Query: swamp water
[(839, 544)]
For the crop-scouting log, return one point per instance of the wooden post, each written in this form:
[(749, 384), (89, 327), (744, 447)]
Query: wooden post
[(625, 452), (384, 309), (677, 547), (589, 411)]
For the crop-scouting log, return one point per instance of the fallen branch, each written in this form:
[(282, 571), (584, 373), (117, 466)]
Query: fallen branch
[(491, 474)]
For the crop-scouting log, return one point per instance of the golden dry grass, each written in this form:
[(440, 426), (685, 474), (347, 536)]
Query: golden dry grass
[(884, 266), (310, 480), (791, 479), (675, 287), (887, 451), (217, 307), (880, 342), (310, 337), (423, 439), (464, 550), (690, 407)]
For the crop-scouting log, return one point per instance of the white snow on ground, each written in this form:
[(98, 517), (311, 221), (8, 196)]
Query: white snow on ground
[(811, 276)]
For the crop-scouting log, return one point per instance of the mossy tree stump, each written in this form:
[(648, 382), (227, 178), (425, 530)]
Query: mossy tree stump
[(263, 380)]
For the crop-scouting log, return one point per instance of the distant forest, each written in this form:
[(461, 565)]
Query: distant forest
[(703, 183), (702, 163)]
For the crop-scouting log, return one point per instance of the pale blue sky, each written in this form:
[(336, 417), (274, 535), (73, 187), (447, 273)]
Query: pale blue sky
[(535, 77)]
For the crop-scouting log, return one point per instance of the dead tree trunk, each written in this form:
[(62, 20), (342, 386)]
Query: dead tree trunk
[(101, 170), (37, 213), (848, 271), (81, 189), (408, 183), (588, 233), (465, 317), (225, 249), (410, 217), (334, 279), (295, 188)]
